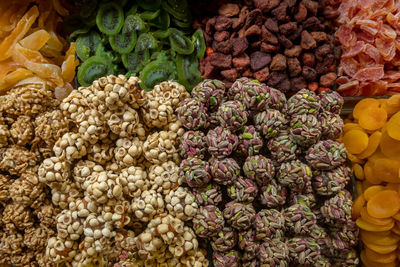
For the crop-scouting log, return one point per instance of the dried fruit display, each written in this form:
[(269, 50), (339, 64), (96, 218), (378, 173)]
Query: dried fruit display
[(32, 51), (270, 182), (376, 166), (149, 39), (368, 65), (286, 44)]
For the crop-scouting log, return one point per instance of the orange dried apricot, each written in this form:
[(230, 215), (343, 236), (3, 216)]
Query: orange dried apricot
[(359, 188), (366, 184), (368, 218), (373, 143), (358, 204), (373, 118), (389, 146), (384, 204), (364, 104), (393, 126), (392, 105), (36, 40), (351, 126), (8, 43), (393, 186), (358, 171), (361, 223), (385, 238), (387, 170), (382, 249), (367, 263), (396, 229), (371, 191), (369, 173), (356, 141), (353, 158), (397, 216), (381, 258)]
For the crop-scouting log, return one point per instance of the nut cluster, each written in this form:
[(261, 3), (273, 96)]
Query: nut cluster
[(275, 161), (115, 177)]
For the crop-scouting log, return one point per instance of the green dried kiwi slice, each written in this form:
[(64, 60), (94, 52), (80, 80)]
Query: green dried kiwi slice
[(135, 61), (125, 41), (199, 43), (161, 34), (145, 41), (132, 10), (156, 72), (149, 15), (182, 24), (86, 44), (92, 69), (149, 4), (188, 71), (162, 21), (137, 22), (178, 9), (110, 18), (180, 43)]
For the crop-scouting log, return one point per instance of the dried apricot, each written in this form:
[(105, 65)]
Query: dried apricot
[(353, 158), (368, 218), (356, 141), (393, 126), (384, 204), (373, 144), (359, 188), (358, 204), (382, 249), (385, 238), (396, 229), (358, 171), (351, 126), (393, 186), (373, 118), (389, 146), (371, 191), (387, 170), (367, 263), (361, 223), (369, 173), (381, 258), (397, 216), (36, 40), (366, 184), (364, 104), (392, 105)]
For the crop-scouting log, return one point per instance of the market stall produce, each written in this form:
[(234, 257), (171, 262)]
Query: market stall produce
[(273, 158)]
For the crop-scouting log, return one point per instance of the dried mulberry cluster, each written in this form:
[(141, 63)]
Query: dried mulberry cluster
[(115, 178), (30, 123), (274, 158)]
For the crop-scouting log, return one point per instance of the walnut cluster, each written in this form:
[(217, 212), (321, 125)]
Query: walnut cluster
[(114, 176)]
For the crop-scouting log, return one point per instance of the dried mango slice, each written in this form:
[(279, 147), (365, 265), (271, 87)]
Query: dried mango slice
[(386, 238), (14, 77), (68, 68), (358, 171), (387, 170), (389, 146), (369, 173), (6, 67), (373, 143), (36, 40), (373, 118), (356, 141), (351, 126), (372, 227), (384, 204), (381, 258), (382, 249), (371, 191), (38, 65), (353, 158), (358, 204), (364, 104), (393, 126), (59, 8), (7, 45), (368, 218)]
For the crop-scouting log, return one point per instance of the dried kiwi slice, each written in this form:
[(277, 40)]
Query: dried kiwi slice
[(162, 21), (178, 9), (199, 43), (149, 15), (160, 34), (179, 42), (132, 10), (125, 41), (135, 61), (155, 72), (188, 71), (86, 44), (149, 4), (110, 18), (92, 69), (137, 23), (145, 41)]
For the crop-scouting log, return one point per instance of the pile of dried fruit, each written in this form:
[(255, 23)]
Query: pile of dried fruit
[(286, 44), (115, 177), (276, 161), (372, 137), (138, 39), (31, 49), (368, 33)]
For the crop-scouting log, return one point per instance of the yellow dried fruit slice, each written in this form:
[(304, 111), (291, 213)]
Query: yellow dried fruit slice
[(364, 104), (372, 227), (389, 146), (387, 170), (384, 204), (393, 126), (382, 249), (373, 118), (369, 173), (356, 141), (358, 171), (381, 258), (36, 40), (373, 144), (358, 204), (371, 191), (368, 218), (386, 238)]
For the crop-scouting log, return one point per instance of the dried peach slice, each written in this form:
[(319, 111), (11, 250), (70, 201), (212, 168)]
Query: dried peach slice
[(373, 144), (361, 223), (382, 249), (369, 173), (368, 218), (373, 118), (381, 258), (358, 171), (371, 191), (387, 170), (389, 146), (8, 43), (393, 126), (36, 40), (358, 204), (363, 105), (384, 204), (356, 141)]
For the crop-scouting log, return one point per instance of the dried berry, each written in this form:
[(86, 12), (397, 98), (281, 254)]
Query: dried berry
[(209, 195), (225, 240), (326, 155), (221, 142), (273, 195), (232, 115), (270, 122), (282, 147), (329, 182), (193, 114), (225, 171), (195, 171), (273, 252), (299, 219), (331, 125), (239, 216), (208, 221), (269, 223), (305, 129), (210, 93), (193, 144), (259, 168), (250, 142), (243, 190)]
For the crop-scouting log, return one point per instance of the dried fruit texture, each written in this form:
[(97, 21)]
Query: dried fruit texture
[(384, 204), (31, 48), (356, 141), (368, 65)]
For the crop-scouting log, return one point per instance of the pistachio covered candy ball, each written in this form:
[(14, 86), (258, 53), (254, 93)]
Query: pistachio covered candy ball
[(232, 115), (210, 93), (195, 171), (221, 142)]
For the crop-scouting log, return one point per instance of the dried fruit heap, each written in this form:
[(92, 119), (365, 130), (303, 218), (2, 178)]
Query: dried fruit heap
[(274, 159), (115, 176), (286, 44), (372, 136)]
